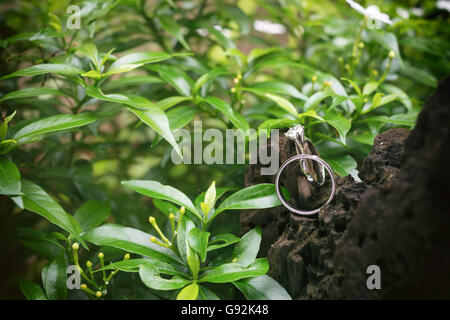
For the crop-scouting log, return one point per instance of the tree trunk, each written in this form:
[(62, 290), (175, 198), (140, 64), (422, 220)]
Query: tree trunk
[(397, 218)]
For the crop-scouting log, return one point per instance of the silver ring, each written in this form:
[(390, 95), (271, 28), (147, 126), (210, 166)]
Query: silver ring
[(292, 159), (297, 134)]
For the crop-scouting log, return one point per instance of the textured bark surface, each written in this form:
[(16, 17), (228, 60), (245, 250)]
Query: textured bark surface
[(398, 218)]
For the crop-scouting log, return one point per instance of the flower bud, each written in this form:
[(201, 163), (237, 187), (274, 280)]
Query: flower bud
[(75, 246), (361, 45), (151, 220), (126, 256), (182, 210), (234, 260), (314, 79), (152, 239), (83, 287), (233, 90), (98, 294), (101, 255), (236, 80), (88, 264), (171, 216), (391, 55), (375, 72)]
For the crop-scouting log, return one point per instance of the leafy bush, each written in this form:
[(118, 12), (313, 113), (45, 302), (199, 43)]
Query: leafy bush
[(91, 112)]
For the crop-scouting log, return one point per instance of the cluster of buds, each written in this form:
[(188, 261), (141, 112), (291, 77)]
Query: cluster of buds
[(236, 82), (326, 85), (174, 229), (100, 290)]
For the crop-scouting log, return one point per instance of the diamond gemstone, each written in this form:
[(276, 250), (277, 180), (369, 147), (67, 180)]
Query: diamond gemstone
[(294, 132)]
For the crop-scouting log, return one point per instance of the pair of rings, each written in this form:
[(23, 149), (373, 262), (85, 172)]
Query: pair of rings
[(302, 146)]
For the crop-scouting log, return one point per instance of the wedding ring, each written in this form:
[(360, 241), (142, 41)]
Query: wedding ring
[(303, 157)]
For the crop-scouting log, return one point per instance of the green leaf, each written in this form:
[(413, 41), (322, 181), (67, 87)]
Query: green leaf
[(189, 292), (370, 87), (354, 85), (217, 103), (219, 36), (260, 196), (90, 50), (180, 117), (402, 96), (206, 294), (210, 197), (311, 114), (54, 279), (192, 258), (157, 190), (138, 58), (277, 124), (92, 74), (131, 240), (92, 214), (158, 121), (150, 277), (61, 69), (400, 119), (247, 249), (145, 110), (166, 207), (340, 123), (365, 138), (32, 92), (283, 103), (35, 199), (131, 82), (182, 235), (421, 76), (378, 101), (276, 87), (175, 77), (230, 272), (262, 288), (388, 40), (32, 291), (237, 15), (222, 240), (342, 166), (170, 102), (9, 178), (198, 240), (171, 26), (133, 265), (131, 100), (214, 73), (7, 145), (52, 124), (315, 99)]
